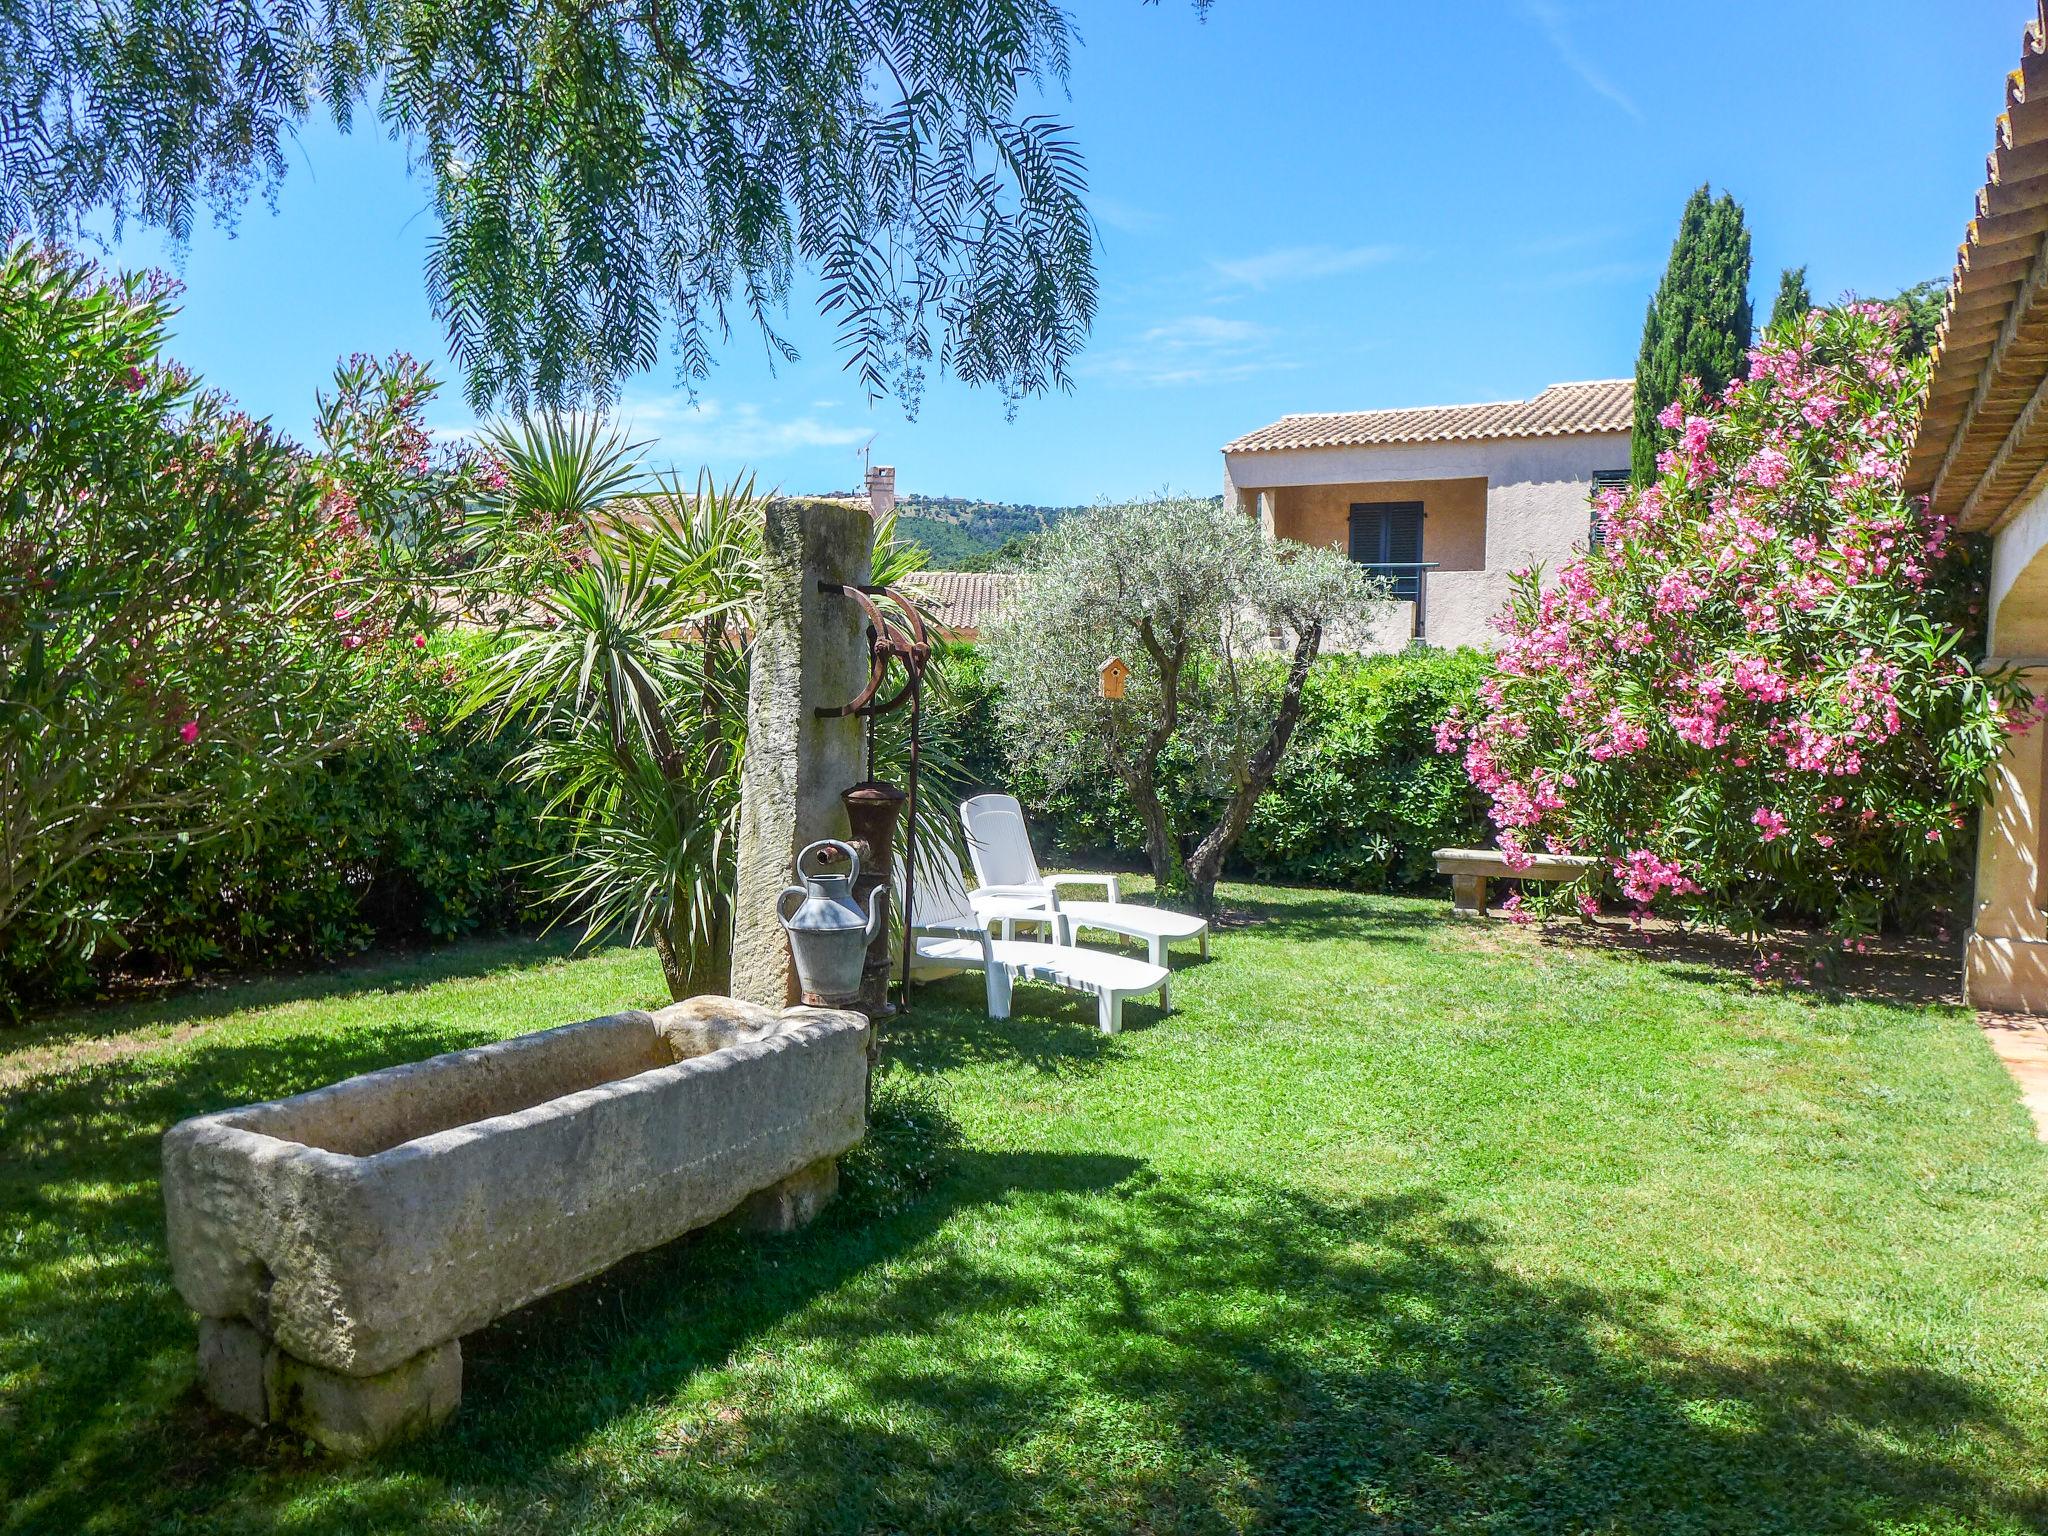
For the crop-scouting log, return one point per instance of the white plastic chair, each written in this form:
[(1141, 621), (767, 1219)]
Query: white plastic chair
[(1012, 888), (949, 936)]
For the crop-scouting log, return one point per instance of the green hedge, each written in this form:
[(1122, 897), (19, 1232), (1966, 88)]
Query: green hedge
[(1362, 799), (395, 841)]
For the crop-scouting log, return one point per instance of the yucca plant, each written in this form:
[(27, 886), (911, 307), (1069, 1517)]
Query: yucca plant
[(625, 649)]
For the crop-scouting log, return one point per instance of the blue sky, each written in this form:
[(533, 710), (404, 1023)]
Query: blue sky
[(1304, 205)]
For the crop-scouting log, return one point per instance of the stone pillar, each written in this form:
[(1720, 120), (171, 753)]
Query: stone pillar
[(2005, 961), (810, 651)]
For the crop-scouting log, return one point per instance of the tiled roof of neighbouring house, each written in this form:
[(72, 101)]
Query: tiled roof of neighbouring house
[(966, 600), (1563, 410), (1984, 430)]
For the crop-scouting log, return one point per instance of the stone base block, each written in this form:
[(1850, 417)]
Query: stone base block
[(234, 1367), (246, 1375), (793, 1203), (2005, 975)]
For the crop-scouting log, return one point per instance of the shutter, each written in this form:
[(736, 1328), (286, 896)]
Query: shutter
[(1386, 538), (1603, 480), (1365, 535), (1404, 534)]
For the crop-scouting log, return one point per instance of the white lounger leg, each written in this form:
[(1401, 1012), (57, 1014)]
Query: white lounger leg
[(1156, 952), (1110, 1011), (998, 992), (1205, 943)]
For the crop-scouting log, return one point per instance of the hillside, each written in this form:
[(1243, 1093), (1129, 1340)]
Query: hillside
[(965, 534)]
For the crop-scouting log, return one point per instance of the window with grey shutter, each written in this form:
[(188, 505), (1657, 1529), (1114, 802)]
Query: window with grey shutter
[(1603, 480), (1386, 538)]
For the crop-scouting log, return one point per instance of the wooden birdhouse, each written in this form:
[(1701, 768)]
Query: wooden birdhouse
[(1110, 678)]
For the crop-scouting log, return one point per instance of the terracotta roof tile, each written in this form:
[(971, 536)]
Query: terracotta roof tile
[(967, 600), (1983, 434), (1563, 410)]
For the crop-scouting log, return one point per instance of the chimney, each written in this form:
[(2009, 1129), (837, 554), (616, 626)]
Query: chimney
[(881, 490)]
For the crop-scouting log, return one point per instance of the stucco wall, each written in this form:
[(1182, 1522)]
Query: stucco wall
[(1536, 509), (2019, 581)]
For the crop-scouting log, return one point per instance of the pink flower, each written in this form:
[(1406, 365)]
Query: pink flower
[(1769, 468), (1769, 822), (415, 724), (1588, 907), (1699, 431), (1672, 417), (189, 732), (419, 642)]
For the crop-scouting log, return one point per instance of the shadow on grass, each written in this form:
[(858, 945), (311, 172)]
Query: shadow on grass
[(1044, 1340), (208, 999), (1898, 972), (1050, 1030)]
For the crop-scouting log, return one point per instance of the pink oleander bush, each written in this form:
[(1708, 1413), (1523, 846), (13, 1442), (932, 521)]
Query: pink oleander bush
[(1753, 702), (193, 608)]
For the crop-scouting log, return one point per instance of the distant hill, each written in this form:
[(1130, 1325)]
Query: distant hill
[(963, 534)]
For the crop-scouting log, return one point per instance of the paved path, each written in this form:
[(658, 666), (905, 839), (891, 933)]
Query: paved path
[(2021, 1041)]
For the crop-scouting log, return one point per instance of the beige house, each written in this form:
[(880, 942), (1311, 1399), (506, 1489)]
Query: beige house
[(1982, 458), (1444, 500)]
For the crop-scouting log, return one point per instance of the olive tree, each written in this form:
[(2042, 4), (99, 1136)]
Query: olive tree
[(1219, 627)]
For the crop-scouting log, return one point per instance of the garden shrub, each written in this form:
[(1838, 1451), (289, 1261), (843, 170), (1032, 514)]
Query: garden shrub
[(1754, 701), (413, 833), (1364, 799), (1361, 801), (199, 619)]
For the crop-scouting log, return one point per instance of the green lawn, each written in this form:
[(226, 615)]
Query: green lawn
[(1399, 1225)]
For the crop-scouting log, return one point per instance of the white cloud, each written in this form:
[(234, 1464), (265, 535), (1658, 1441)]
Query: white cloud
[(675, 431), (1118, 214), (1301, 263), (1191, 349), (727, 436), (1550, 18)]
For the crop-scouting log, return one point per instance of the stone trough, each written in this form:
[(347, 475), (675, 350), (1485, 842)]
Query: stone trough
[(338, 1244)]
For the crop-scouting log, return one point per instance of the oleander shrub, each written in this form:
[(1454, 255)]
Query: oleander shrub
[(196, 613), (1754, 702)]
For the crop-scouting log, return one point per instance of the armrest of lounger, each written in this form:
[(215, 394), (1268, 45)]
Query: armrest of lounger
[(1107, 882), (1043, 895)]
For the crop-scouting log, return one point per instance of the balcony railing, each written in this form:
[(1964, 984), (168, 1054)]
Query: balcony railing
[(1410, 582)]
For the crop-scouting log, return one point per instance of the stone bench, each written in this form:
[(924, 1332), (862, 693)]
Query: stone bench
[(338, 1244), (1471, 868)]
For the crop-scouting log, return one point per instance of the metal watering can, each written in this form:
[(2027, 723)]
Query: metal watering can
[(828, 932)]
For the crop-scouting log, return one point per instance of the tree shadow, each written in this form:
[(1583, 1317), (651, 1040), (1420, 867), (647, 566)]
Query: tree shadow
[(97, 1376), (208, 999), (1046, 1340), (1173, 1353), (1897, 971)]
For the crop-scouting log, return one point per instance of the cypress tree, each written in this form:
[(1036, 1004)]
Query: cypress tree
[(1793, 300), (1699, 321)]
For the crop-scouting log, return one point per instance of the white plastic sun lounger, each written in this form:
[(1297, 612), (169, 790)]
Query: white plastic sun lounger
[(950, 936), (1012, 890)]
